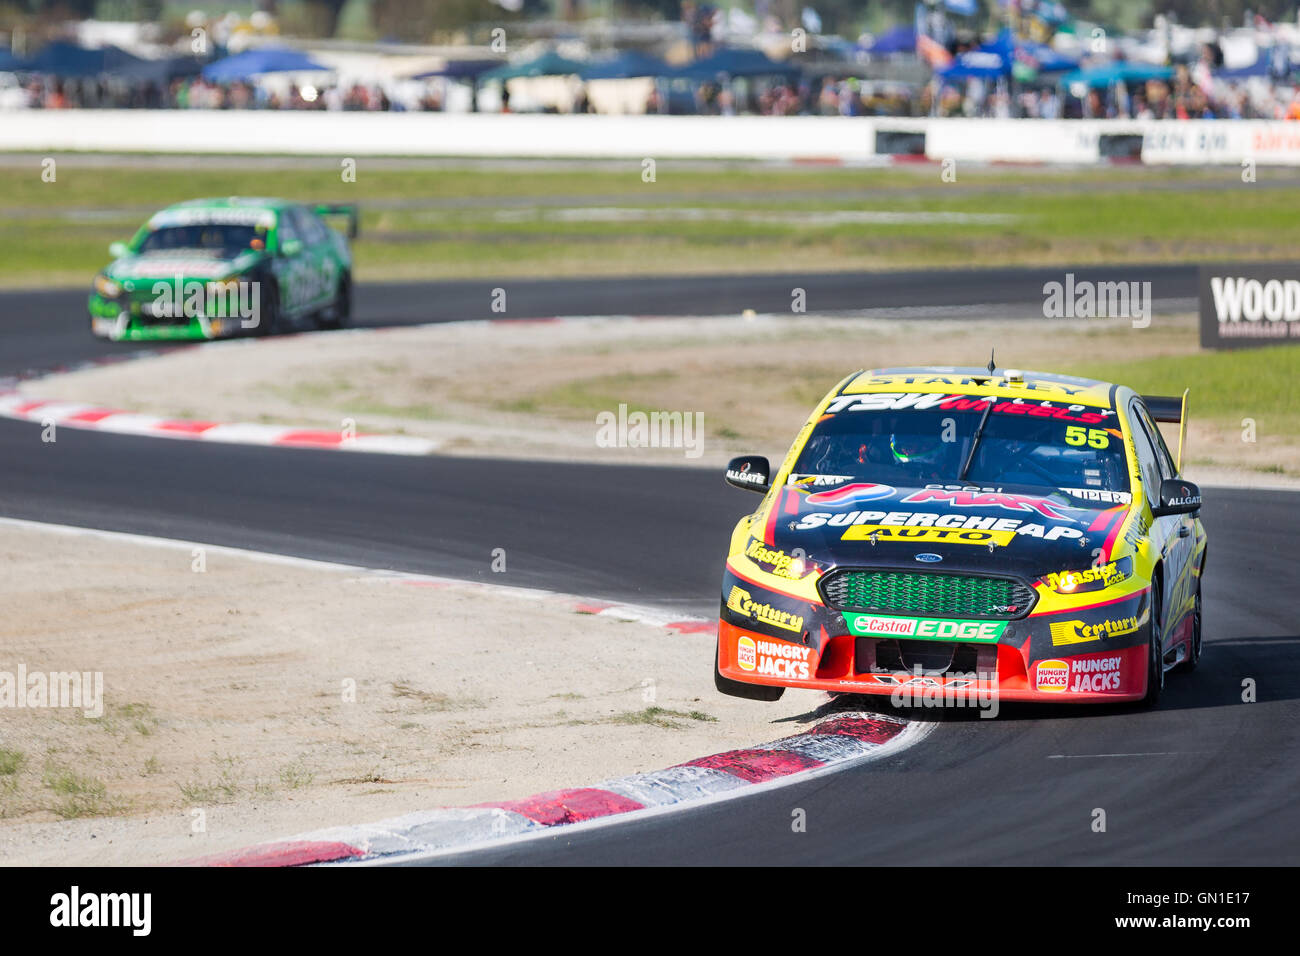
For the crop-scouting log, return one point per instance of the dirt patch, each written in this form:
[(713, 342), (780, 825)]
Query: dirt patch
[(264, 699), (534, 390)]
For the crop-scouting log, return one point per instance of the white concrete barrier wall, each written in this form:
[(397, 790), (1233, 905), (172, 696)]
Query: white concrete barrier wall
[(795, 138), (440, 134), (1199, 142), (1020, 141)]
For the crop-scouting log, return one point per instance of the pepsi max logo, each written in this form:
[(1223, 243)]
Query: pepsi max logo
[(858, 491)]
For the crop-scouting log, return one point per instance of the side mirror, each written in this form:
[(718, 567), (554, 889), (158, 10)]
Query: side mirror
[(118, 249), (750, 472), (291, 247), (1178, 496)]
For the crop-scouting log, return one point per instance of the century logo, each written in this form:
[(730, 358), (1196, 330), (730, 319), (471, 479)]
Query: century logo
[(740, 601), (1077, 632)]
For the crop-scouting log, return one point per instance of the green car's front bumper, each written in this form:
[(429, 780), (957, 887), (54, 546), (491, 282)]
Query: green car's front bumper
[(121, 320)]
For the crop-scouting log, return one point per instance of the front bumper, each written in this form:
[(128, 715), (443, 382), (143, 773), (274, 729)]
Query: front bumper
[(120, 320), (1090, 653)]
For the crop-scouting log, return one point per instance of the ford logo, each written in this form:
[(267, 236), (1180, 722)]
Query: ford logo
[(929, 558)]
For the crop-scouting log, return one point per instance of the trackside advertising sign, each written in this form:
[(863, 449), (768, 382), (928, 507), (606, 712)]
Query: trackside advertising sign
[(1243, 305)]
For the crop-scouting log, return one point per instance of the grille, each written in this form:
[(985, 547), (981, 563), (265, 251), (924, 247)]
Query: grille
[(886, 655), (927, 594), (142, 309)]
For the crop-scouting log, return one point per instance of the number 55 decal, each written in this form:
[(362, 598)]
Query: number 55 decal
[(1095, 437)]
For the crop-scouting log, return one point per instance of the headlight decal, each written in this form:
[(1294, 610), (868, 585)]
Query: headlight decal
[(106, 287)]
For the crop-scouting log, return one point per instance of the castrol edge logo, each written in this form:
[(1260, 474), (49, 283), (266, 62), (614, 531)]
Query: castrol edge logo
[(745, 653), (1052, 677)]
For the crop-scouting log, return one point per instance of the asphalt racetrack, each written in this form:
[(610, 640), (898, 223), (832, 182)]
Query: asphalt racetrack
[(1204, 779)]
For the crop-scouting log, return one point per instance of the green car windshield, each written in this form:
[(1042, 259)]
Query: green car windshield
[(914, 447), (228, 240)]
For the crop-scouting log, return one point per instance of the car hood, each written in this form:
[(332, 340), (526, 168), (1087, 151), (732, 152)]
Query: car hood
[(1023, 533), (186, 263)]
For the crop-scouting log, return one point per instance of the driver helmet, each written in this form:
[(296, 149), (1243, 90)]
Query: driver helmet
[(916, 449)]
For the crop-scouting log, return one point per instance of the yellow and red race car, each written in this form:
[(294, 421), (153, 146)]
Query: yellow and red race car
[(966, 534)]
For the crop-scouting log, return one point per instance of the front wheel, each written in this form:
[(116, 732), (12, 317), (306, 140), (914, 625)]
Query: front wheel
[(1155, 651), (735, 688), (268, 313), (1194, 652), (339, 313)]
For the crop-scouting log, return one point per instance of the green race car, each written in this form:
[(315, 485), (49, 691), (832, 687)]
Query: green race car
[(212, 268)]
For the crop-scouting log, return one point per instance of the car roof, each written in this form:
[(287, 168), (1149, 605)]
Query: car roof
[(971, 380), (233, 202), (232, 210)]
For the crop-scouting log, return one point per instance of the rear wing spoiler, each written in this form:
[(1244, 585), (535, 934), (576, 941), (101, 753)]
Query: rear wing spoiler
[(1173, 410), (348, 210)]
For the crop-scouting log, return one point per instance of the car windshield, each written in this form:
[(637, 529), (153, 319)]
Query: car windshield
[(227, 240), (1020, 445)]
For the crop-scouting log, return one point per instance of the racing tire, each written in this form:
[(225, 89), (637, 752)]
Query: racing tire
[(735, 688), (1155, 651), (339, 314), (1194, 652), (268, 319)]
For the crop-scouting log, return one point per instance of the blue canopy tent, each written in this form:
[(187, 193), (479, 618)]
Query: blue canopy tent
[(163, 70), (980, 64), (69, 60), (460, 70), (548, 64), (1050, 11), (732, 61), (250, 63), (1261, 67), (988, 61), (900, 39), (1113, 73), (12, 64), (1043, 58), (626, 65)]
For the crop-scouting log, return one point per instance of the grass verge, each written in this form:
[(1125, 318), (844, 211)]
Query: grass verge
[(517, 221)]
